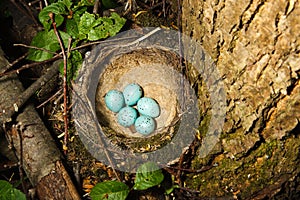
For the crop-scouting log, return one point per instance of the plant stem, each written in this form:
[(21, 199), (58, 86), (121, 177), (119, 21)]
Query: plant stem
[(65, 85)]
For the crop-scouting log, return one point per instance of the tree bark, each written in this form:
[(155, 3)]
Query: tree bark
[(255, 45)]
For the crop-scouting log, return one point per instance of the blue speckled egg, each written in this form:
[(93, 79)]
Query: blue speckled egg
[(144, 125), (127, 116), (148, 106), (132, 93), (114, 100)]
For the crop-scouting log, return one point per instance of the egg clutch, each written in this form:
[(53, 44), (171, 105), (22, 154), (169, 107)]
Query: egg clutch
[(133, 109)]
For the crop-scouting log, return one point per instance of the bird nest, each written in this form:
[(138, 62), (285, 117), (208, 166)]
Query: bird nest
[(157, 72), (154, 64)]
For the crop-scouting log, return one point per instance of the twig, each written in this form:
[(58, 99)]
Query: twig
[(7, 67), (65, 85), (141, 38), (97, 5), (22, 98), (191, 191), (164, 7), (29, 11), (37, 48), (20, 133), (34, 2), (46, 3), (8, 165), (16, 4), (203, 169), (178, 175), (49, 99), (102, 42), (27, 66)]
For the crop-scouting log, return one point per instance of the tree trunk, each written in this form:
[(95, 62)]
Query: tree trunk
[(255, 45)]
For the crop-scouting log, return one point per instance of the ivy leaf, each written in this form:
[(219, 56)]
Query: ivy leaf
[(46, 40), (110, 190), (9, 193), (59, 9), (147, 176)]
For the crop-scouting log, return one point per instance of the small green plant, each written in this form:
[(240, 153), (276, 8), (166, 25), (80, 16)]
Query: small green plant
[(72, 21), (8, 192), (148, 175)]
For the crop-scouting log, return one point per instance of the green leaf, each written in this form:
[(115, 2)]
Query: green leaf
[(118, 23), (101, 29), (59, 9), (110, 190), (7, 192), (74, 64), (86, 23), (94, 29), (73, 23), (147, 176), (171, 189), (68, 3), (46, 40), (72, 28), (86, 3)]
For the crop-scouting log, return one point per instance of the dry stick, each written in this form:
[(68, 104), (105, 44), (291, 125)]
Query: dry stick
[(164, 7), (96, 7), (139, 39), (65, 85), (14, 62), (22, 98), (18, 59), (46, 3), (102, 42), (34, 2), (27, 66), (49, 99), (16, 4), (203, 169), (57, 55), (37, 48), (29, 12)]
